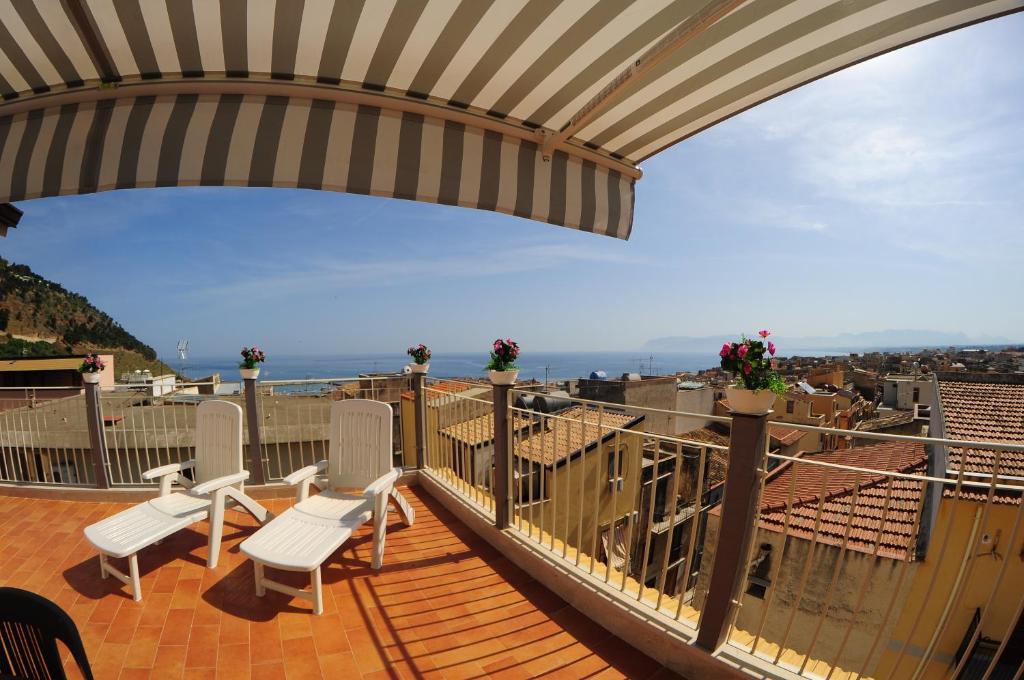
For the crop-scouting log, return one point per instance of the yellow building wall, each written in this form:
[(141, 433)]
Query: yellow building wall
[(586, 477), (922, 615)]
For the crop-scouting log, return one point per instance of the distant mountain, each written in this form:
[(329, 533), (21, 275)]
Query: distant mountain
[(844, 342), (41, 318)]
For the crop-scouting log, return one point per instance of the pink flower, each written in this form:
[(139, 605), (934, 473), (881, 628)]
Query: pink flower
[(725, 350), (742, 351), (747, 368), (771, 348), (764, 334)]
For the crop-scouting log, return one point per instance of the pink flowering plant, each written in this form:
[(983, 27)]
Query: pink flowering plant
[(751, 363), (503, 355), (420, 353), (92, 364), (251, 357)]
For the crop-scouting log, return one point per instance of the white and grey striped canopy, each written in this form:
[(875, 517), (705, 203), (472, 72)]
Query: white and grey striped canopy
[(537, 108)]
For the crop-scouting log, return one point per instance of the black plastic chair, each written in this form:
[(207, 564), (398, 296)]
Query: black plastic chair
[(30, 626)]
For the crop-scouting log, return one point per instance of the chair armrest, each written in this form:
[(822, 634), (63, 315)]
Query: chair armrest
[(165, 470), (383, 484), (305, 473), (227, 480)]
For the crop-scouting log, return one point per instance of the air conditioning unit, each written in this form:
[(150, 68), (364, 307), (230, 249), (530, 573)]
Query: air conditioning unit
[(617, 483)]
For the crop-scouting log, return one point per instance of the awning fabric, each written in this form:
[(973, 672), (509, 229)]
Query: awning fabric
[(537, 108)]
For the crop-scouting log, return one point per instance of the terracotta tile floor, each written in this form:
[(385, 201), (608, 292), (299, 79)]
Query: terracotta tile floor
[(446, 605)]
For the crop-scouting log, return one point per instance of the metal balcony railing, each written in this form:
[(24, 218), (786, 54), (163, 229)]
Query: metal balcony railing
[(860, 562), (883, 559)]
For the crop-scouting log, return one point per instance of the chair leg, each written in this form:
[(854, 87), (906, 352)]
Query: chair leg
[(318, 592), (133, 570), (216, 527), (261, 590), (103, 566), (380, 525)]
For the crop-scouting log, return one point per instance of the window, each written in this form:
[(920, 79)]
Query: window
[(917, 394), (789, 406), (982, 654), (760, 569), (616, 463)]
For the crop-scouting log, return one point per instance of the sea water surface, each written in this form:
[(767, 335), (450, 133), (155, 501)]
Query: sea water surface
[(538, 365)]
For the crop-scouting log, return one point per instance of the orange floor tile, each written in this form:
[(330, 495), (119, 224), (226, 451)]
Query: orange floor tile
[(446, 605)]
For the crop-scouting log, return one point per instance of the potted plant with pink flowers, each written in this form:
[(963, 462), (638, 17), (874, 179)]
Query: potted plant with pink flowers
[(502, 366), (420, 358), (249, 367), (757, 384), (92, 366)]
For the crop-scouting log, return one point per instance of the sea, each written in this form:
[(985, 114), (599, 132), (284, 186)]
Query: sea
[(536, 365)]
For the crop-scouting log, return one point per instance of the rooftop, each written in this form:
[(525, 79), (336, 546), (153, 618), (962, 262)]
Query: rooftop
[(480, 430), (892, 528), (982, 407), (446, 604), (570, 431)]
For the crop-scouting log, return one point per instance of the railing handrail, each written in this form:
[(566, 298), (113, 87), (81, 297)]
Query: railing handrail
[(961, 443), (897, 475)]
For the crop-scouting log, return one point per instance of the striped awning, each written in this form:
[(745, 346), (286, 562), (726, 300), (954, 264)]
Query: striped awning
[(536, 108)]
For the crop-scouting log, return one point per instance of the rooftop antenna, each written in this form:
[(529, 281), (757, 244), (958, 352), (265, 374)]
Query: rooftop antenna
[(182, 355)]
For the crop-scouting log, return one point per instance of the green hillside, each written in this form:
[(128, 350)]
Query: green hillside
[(41, 318)]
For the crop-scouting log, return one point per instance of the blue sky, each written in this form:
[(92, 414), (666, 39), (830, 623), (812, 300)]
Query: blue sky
[(889, 195)]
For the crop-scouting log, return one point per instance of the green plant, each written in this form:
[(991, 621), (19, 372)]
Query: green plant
[(503, 355), (92, 364), (751, 364), (420, 353), (251, 357)]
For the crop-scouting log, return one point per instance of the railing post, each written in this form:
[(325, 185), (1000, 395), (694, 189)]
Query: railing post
[(420, 415), (502, 458), (97, 437), (736, 529), (252, 417)]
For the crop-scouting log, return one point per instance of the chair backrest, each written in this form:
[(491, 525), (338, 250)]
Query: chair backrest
[(360, 450), (218, 440), (30, 626)]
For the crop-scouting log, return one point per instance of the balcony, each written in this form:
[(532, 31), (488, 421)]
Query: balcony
[(620, 549), (446, 604)]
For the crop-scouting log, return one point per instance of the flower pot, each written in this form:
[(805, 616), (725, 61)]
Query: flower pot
[(750, 402), (418, 368), (91, 378), (504, 377), (249, 373)]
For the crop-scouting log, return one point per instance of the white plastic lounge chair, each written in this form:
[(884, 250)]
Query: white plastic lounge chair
[(219, 476), (303, 537)]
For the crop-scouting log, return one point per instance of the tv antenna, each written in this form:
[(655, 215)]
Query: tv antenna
[(182, 355)]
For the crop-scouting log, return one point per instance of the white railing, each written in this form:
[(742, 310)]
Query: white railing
[(45, 438)]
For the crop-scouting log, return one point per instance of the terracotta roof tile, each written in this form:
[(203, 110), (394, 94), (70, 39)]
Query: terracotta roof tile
[(573, 429), (893, 529), (707, 436), (785, 436), (479, 430), (984, 408)]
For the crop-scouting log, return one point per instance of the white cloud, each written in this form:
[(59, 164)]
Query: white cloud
[(268, 279)]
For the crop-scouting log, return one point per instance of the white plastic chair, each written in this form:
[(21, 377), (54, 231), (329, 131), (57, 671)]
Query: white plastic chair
[(303, 537), (219, 478)]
